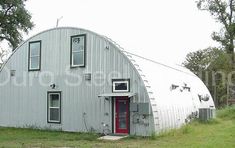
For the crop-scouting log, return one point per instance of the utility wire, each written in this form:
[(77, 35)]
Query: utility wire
[(123, 50), (157, 62)]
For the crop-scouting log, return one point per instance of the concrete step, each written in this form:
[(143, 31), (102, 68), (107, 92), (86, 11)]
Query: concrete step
[(112, 138)]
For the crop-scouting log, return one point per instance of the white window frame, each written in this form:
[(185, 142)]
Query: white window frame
[(121, 81), (30, 57), (79, 51), (49, 107)]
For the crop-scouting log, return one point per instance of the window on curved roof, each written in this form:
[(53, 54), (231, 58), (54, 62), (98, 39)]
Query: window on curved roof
[(34, 62), (78, 47)]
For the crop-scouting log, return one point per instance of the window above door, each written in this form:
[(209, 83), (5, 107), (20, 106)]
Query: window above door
[(121, 85)]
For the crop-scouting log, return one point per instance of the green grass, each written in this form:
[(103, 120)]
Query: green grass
[(219, 132), (227, 113)]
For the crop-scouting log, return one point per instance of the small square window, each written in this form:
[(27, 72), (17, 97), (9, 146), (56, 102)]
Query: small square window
[(121, 85)]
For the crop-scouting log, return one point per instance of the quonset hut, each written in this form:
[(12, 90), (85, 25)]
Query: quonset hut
[(73, 79)]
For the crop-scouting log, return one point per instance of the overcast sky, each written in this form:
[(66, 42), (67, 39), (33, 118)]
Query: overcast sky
[(163, 30)]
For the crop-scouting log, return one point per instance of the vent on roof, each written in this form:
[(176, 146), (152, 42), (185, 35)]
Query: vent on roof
[(204, 97), (173, 86), (187, 88)]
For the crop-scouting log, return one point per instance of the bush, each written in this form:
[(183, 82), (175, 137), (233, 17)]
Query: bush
[(227, 113)]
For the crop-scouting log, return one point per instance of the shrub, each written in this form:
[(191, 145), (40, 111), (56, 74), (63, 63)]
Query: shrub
[(227, 113)]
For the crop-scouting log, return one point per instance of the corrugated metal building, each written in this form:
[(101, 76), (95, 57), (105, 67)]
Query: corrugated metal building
[(73, 79)]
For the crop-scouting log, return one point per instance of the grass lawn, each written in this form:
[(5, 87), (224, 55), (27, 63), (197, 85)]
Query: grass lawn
[(216, 133)]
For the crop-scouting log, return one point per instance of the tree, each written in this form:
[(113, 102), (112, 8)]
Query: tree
[(213, 66), (200, 60), (14, 20), (223, 12), (3, 56), (212, 59)]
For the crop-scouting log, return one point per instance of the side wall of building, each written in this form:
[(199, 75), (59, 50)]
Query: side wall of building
[(175, 94)]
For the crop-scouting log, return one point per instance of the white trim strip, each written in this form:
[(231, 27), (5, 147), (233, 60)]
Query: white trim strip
[(130, 94)]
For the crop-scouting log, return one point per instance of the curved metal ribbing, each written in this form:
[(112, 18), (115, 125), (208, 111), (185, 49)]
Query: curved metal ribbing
[(148, 87)]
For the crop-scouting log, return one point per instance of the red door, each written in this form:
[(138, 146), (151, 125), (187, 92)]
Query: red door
[(122, 115)]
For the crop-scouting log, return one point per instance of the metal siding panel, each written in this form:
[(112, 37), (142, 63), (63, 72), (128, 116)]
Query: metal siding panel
[(32, 105)]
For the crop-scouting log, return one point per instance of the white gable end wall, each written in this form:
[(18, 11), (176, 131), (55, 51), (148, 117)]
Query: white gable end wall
[(82, 110)]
